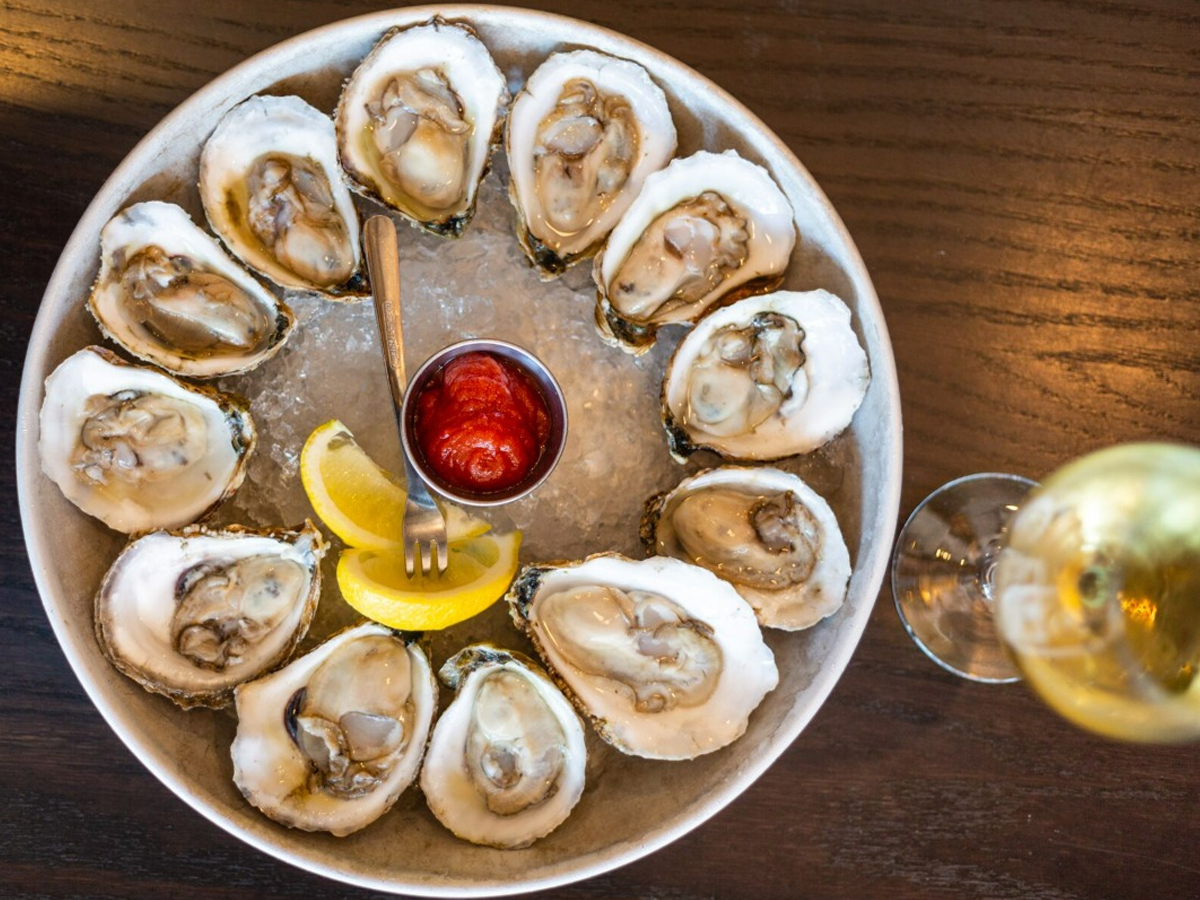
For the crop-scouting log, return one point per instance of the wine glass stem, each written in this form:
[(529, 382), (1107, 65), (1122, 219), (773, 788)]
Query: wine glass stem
[(987, 575)]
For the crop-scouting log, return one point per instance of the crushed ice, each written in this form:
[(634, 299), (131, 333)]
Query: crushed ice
[(477, 286)]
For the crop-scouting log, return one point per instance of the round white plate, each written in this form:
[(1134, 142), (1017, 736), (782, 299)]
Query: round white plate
[(631, 807)]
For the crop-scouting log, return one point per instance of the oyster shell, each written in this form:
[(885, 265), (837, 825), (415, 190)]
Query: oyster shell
[(703, 231), (664, 658), (136, 448), (273, 191), (764, 531), (417, 122), (170, 295), (582, 135), (506, 761), (329, 742), (190, 614), (767, 377)]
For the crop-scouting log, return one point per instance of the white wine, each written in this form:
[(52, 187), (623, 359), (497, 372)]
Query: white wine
[(1097, 592)]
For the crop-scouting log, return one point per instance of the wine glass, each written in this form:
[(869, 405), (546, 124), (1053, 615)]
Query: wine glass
[(1088, 585)]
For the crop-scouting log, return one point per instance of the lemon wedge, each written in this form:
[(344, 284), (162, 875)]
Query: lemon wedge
[(357, 500), (479, 573)]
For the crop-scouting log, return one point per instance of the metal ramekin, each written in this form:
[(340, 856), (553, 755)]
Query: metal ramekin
[(556, 440)]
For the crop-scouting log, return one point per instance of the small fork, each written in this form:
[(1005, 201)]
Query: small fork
[(423, 528)]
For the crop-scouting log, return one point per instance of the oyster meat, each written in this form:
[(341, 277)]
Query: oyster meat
[(764, 531), (329, 742), (582, 135), (417, 122), (190, 614), (767, 377), (171, 296), (136, 448), (703, 231), (664, 658), (506, 761), (273, 191)]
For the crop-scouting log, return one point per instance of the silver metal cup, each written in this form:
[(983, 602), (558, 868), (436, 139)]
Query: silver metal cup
[(555, 441)]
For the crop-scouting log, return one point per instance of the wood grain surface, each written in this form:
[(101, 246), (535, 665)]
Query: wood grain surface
[(1021, 178)]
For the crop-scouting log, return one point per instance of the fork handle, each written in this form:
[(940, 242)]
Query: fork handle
[(383, 266)]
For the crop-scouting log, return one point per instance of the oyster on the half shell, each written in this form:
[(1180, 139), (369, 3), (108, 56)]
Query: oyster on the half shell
[(767, 377), (764, 531), (582, 135), (417, 122), (171, 296), (506, 761), (664, 658), (136, 448), (190, 614), (329, 742), (703, 231), (273, 191)]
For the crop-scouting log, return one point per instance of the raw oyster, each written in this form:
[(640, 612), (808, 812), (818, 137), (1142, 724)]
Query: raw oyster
[(506, 761), (768, 377), (764, 531), (417, 122), (705, 230), (273, 191), (664, 658), (190, 614), (136, 448), (170, 295), (330, 741), (582, 135)]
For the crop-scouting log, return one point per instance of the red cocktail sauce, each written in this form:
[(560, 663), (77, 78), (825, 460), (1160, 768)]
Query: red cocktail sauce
[(481, 423)]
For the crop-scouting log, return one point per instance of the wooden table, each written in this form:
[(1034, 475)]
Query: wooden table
[(1022, 181)]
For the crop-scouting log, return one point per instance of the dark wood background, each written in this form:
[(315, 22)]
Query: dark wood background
[(1022, 180)]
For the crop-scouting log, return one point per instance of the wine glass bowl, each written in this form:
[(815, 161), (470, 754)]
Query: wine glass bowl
[(1098, 592)]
